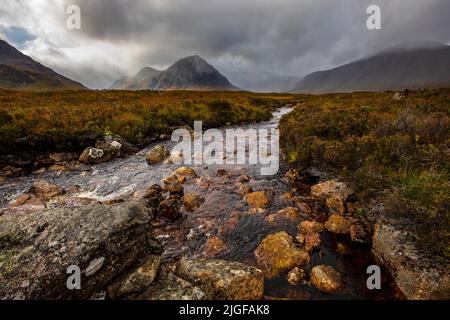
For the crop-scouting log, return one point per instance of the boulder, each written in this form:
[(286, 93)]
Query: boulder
[(416, 275), (103, 241), (93, 156), (115, 146), (173, 288), (175, 188), (338, 224), (192, 201), (335, 194), (360, 233), (326, 279), (45, 190), (223, 280), (157, 155), (137, 280), (257, 199), (278, 253)]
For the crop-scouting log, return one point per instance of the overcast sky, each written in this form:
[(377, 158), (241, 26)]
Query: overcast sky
[(243, 39)]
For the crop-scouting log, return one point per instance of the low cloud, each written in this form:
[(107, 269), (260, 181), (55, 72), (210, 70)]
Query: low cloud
[(245, 40)]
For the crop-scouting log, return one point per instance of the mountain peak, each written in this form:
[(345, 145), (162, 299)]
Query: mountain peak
[(189, 73)]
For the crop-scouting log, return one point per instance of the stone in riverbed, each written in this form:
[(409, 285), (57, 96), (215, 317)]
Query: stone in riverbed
[(157, 155), (45, 190), (192, 201), (175, 188), (335, 193), (258, 199), (289, 213), (93, 156), (171, 208), (223, 280), (138, 280), (306, 227), (214, 246), (278, 252), (338, 224), (312, 241), (173, 288), (185, 172), (326, 279), (102, 240), (295, 276)]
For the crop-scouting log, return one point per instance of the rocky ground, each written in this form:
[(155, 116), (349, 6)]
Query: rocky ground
[(222, 235)]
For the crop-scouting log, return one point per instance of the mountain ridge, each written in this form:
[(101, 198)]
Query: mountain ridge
[(20, 72), (395, 68), (189, 73)]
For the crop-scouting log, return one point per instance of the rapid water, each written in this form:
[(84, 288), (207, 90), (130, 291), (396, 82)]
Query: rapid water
[(129, 178)]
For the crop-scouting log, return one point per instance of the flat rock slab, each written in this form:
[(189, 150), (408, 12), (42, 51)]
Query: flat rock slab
[(37, 249)]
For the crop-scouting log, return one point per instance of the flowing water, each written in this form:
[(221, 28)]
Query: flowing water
[(129, 178)]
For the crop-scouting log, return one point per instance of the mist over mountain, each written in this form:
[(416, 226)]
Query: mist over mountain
[(20, 72), (190, 73), (406, 65)]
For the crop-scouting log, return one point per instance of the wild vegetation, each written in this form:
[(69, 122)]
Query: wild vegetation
[(378, 143), (72, 120)]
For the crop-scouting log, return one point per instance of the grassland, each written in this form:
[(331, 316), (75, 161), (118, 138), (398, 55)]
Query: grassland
[(72, 120), (379, 144)]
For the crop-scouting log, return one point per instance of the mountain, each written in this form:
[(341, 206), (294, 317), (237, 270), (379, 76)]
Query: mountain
[(191, 73), (144, 79), (20, 72), (412, 66)]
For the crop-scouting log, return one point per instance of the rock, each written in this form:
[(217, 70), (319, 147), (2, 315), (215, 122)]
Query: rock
[(304, 208), (175, 188), (335, 193), (326, 279), (185, 172), (173, 288), (244, 179), (214, 246), (171, 208), (45, 190), (115, 146), (138, 280), (203, 182), (416, 275), (258, 199), (289, 213), (103, 241), (306, 227), (222, 172), (278, 253), (295, 276), (58, 168), (244, 190), (335, 205), (223, 280), (93, 156), (312, 241), (177, 158), (230, 224), (338, 224), (359, 233), (343, 249), (28, 200), (331, 188), (157, 155), (62, 157), (192, 201)]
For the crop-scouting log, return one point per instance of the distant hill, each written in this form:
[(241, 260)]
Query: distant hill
[(191, 73), (412, 66), (20, 72), (272, 84)]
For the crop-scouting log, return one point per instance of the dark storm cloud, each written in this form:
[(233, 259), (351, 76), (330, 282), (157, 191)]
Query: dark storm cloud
[(244, 39)]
